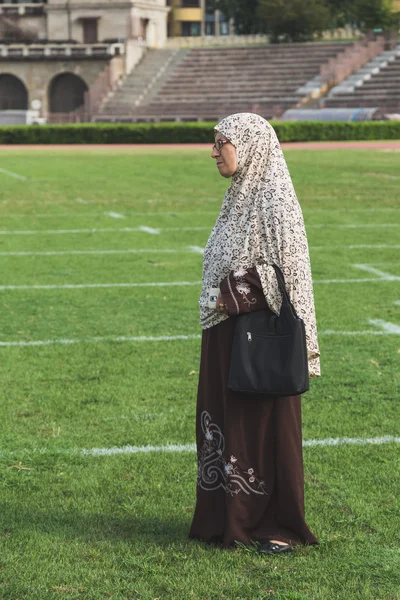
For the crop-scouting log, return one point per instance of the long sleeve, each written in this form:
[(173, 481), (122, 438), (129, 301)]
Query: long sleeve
[(242, 292)]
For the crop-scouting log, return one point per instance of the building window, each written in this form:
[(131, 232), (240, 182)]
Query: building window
[(191, 29), (210, 28), (90, 34), (190, 3), (224, 28)]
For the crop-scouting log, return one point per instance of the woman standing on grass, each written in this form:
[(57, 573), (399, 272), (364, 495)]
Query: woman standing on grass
[(250, 477)]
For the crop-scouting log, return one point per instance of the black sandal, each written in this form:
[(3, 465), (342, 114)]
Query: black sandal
[(271, 548)]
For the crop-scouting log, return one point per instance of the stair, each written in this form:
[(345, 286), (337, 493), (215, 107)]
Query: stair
[(144, 82)]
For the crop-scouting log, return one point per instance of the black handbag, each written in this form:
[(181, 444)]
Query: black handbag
[(269, 352)]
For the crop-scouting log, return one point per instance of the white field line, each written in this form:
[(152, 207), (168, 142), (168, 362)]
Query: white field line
[(387, 439), (142, 228), (397, 303), (381, 274), (386, 328), (14, 175), (114, 215), (94, 252), (80, 201), (189, 249), (353, 225), (196, 249), (181, 448), (81, 286), (350, 210), (97, 340), (356, 247), (128, 215), (150, 230), (370, 280)]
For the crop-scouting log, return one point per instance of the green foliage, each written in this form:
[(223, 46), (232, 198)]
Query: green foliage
[(186, 133), (293, 20), (371, 14)]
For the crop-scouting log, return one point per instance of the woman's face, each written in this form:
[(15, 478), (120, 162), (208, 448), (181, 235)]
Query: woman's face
[(225, 157)]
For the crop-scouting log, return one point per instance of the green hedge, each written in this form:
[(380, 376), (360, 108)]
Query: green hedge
[(184, 133)]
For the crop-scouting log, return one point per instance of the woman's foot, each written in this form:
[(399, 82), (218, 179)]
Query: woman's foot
[(275, 547)]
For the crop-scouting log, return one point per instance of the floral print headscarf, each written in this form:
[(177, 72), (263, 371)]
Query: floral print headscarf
[(261, 223)]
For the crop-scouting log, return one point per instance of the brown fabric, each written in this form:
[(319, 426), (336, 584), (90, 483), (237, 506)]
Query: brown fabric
[(249, 298), (250, 484)]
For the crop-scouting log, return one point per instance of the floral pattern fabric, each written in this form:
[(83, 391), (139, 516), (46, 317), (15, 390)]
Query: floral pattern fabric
[(261, 223), (215, 471)]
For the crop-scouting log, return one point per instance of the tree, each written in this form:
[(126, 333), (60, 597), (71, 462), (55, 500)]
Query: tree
[(294, 20), (342, 12), (372, 14)]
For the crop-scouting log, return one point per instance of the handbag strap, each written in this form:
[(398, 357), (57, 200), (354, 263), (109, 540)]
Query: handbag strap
[(282, 286)]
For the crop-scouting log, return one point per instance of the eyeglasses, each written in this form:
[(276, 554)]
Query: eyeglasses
[(219, 145)]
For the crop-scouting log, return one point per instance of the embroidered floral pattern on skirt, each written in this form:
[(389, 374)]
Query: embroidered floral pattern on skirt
[(216, 472)]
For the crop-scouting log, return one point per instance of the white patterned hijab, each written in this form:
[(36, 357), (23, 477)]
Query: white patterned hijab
[(261, 223)]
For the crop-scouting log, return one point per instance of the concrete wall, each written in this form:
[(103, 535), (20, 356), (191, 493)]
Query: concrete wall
[(115, 19), (37, 75)]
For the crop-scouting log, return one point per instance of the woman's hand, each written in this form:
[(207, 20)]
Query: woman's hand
[(220, 305)]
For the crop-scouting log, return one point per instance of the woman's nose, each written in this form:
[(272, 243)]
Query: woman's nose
[(214, 153)]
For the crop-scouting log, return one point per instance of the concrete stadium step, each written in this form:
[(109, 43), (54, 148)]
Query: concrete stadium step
[(153, 69), (259, 78)]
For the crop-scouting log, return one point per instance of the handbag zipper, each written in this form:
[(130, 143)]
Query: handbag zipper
[(249, 338)]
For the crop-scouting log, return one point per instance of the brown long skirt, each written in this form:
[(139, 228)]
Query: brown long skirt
[(250, 480)]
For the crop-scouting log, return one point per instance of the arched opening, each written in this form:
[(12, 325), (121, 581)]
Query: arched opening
[(66, 93), (13, 93)]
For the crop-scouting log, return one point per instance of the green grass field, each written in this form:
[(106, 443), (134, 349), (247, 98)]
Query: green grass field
[(81, 525)]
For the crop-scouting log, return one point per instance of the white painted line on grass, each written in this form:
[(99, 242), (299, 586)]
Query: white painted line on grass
[(130, 215), (97, 340), (82, 286), (81, 201), (385, 329), (114, 215), (351, 210), (143, 228), (356, 246), (150, 230), (353, 226), (179, 448), (196, 249), (94, 252), (375, 280), (381, 274), (386, 439), (208, 228), (12, 174), (139, 450), (67, 231)]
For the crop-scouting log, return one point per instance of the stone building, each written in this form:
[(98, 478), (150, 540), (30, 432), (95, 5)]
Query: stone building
[(53, 51)]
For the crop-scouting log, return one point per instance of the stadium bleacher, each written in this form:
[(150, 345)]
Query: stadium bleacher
[(381, 89), (209, 83)]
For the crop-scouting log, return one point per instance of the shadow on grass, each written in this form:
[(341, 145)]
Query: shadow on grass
[(160, 530)]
